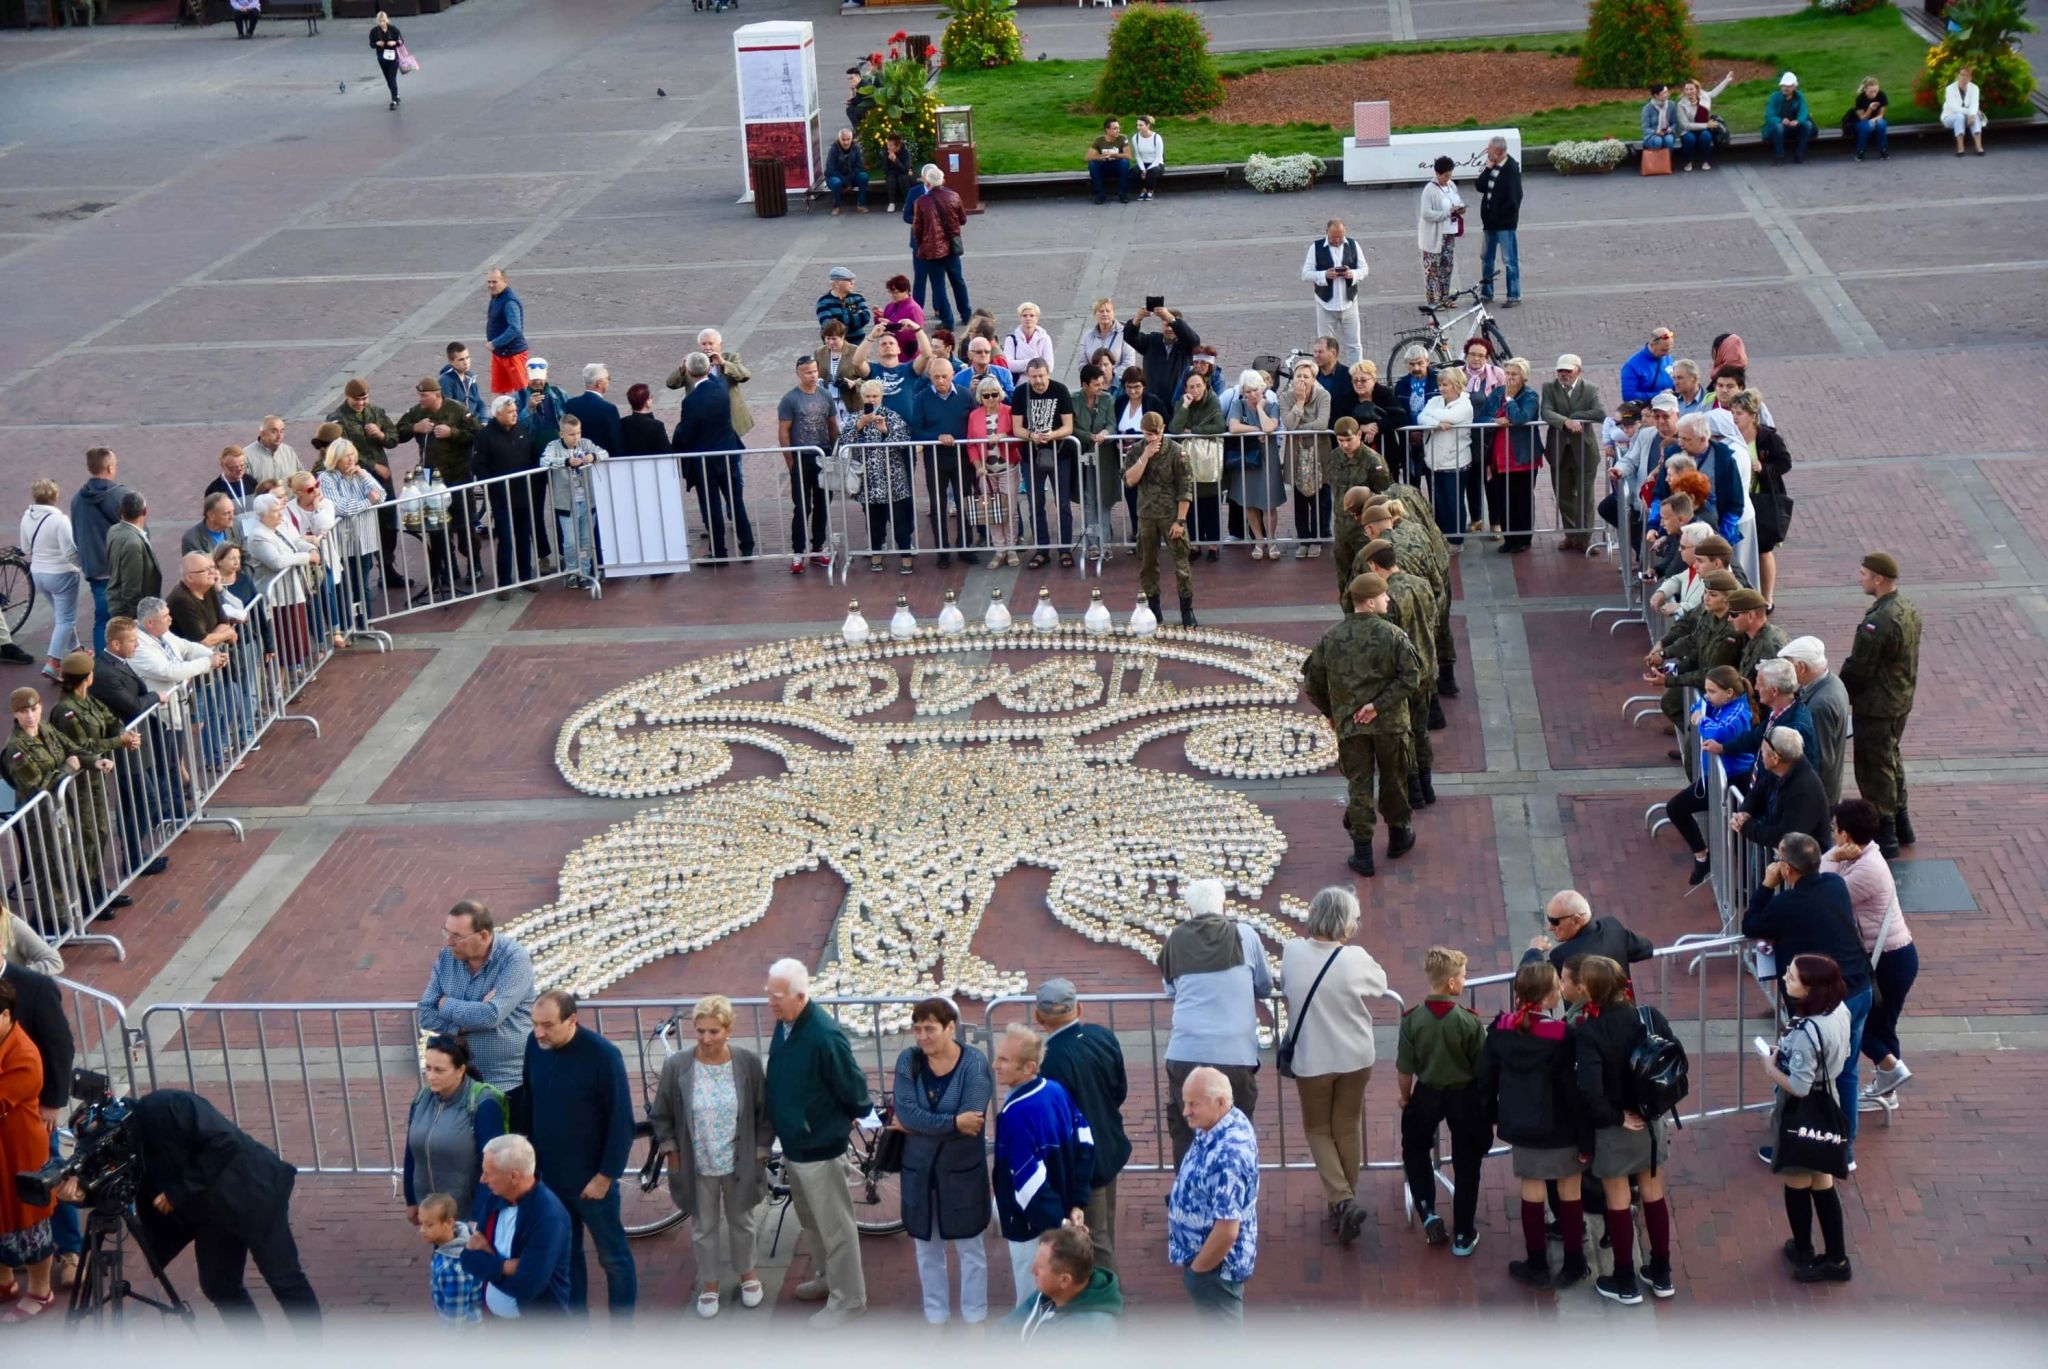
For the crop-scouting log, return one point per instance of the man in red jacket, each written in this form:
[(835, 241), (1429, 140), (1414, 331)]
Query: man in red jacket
[(935, 225)]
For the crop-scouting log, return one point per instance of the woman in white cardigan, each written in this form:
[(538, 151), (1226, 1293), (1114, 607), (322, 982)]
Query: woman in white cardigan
[(1960, 110), (1333, 1045), (1148, 155), (276, 548), (1447, 451), (1437, 231)]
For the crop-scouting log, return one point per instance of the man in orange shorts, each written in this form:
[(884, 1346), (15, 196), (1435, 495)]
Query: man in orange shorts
[(505, 329)]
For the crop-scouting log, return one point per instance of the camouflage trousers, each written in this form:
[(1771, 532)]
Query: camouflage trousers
[(1423, 754), (1364, 757), (1880, 769), (1151, 532)]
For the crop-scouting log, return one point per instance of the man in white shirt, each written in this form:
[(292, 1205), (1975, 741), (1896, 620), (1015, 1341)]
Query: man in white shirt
[(166, 662), (1334, 266)]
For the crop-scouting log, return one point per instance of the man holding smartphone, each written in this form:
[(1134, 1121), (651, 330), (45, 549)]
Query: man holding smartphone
[(1334, 267)]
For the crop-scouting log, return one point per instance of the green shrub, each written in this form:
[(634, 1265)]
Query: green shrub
[(1158, 63), (1845, 6), (2007, 81), (904, 104), (1636, 42), (980, 33)]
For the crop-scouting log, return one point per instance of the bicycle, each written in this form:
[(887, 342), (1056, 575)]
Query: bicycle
[(647, 1209), (17, 589), (1437, 337)]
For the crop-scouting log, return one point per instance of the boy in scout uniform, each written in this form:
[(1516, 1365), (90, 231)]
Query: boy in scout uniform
[(1413, 610), (1361, 676), (1155, 468), (1881, 673)]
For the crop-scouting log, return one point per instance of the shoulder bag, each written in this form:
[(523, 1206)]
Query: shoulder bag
[(1813, 1132), (1205, 457), (1283, 1055)]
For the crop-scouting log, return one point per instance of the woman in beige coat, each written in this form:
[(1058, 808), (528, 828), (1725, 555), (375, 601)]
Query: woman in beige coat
[(1305, 417)]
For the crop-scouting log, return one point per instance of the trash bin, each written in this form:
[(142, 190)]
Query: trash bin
[(918, 47), (771, 189)]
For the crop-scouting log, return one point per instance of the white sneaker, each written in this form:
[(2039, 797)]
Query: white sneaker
[(1887, 1082)]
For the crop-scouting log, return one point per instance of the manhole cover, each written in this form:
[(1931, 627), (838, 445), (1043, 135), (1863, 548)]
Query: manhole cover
[(1932, 886), (84, 209)]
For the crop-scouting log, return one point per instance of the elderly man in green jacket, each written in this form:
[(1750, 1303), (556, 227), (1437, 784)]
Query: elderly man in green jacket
[(816, 1092)]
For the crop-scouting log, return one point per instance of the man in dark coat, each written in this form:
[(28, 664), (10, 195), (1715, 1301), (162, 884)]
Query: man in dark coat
[(1166, 354), (1500, 214), (705, 425), (1788, 798), (208, 1184), (95, 509), (115, 684), (1086, 1060), (1576, 933), (504, 446)]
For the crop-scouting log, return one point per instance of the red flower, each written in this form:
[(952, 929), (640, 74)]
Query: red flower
[(899, 36)]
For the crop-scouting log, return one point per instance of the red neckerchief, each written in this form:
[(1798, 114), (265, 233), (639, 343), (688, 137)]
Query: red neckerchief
[(1525, 1017)]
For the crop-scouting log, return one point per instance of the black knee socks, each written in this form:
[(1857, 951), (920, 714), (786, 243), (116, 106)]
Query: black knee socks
[(1799, 1216), (1827, 1203)]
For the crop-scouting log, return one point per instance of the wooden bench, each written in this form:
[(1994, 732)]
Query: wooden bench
[(312, 11)]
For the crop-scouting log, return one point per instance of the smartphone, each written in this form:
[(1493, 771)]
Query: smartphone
[(1154, 302), (1763, 1047), (867, 408)]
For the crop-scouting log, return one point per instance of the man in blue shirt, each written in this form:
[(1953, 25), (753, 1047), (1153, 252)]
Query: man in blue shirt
[(1647, 374), (482, 991), (1212, 1215), (582, 1131), (519, 1250), (938, 420)]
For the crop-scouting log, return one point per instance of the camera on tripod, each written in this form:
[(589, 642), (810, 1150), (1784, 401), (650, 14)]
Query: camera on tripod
[(103, 1156)]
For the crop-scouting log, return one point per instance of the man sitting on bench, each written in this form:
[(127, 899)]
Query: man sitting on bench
[(1110, 155)]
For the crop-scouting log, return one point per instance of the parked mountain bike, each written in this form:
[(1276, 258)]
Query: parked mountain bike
[(17, 588), (1438, 338), (647, 1209)]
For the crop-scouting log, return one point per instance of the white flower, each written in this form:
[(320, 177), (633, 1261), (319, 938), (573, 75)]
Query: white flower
[(1295, 171), (1604, 155)]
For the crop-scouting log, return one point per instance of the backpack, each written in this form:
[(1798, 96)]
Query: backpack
[(1657, 1072)]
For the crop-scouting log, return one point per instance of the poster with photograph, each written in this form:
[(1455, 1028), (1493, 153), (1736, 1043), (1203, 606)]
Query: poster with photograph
[(774, 84), (784, 140)]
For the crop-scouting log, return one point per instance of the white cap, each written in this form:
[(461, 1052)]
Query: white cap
[(1788, 79), (1808, 651), (1666, 403), (1569, 362), (538, 366)]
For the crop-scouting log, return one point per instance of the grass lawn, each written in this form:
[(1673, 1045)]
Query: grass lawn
[(1035, 116)]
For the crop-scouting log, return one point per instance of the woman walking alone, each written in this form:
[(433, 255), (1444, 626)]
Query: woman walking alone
[(387, 43)]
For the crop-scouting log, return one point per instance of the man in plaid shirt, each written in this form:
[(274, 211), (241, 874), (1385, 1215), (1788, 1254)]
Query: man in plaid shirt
[(458, 1297)]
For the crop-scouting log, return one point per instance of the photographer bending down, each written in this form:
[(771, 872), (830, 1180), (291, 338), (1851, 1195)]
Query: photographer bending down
[(208, 1184)]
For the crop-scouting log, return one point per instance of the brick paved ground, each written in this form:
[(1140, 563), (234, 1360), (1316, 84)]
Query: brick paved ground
[(251, 264)]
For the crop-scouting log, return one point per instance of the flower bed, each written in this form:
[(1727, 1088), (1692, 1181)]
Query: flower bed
[(1295, 171), (1587, 158)]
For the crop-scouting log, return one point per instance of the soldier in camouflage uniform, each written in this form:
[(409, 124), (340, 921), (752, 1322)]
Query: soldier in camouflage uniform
[(1351, 465), (1361, 676), (357, 416), (1705, 639), (1159, 472), (1749, 614), (1413, 609), (36, 760), (94, 734), (1417, 519), (1880, 675)]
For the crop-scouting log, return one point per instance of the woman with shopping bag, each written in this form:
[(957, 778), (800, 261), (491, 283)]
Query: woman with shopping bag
[(393, 56)]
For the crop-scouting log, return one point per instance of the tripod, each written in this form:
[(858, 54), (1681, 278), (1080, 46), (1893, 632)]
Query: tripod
[(103, 1290)]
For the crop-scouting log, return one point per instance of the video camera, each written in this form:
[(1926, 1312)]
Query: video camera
[(103, 1157)]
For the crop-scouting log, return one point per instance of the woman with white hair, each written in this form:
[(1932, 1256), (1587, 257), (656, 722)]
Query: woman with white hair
[(312, 515), (1329, 985), (281, 555), (356, 494), (881, 449), (1252, 478), (1447, 451)]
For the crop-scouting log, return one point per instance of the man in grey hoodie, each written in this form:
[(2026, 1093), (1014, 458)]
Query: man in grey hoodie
[(95, 509), (1215, 970)]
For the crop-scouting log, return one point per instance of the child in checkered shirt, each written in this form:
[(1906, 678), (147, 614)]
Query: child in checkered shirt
[(458, 1298)]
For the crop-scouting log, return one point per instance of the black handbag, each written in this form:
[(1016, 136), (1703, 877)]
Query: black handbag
[(1283, 1055), (889, 1146), (1813, 1132)]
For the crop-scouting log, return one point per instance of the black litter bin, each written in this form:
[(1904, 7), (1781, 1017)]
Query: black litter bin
[(918, 46), (771, 190)]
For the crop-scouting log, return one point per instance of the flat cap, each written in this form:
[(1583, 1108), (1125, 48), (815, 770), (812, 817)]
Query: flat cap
[(1057, 995)]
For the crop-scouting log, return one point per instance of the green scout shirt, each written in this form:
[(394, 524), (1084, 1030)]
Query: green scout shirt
[(1363, 659), (1440, 1043), (1884, 665), (1167, 483), (447, 456)]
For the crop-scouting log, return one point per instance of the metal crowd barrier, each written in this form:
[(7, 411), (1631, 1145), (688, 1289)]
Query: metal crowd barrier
[(101, 1037), (426, 547), (648, 521), (1634, 608), (50, 874), (983, 495)]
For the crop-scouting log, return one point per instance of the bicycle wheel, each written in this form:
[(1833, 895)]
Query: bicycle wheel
[(877, 1198), (17, 590), (1397, 367), (645, 1207), (1497, 340)]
